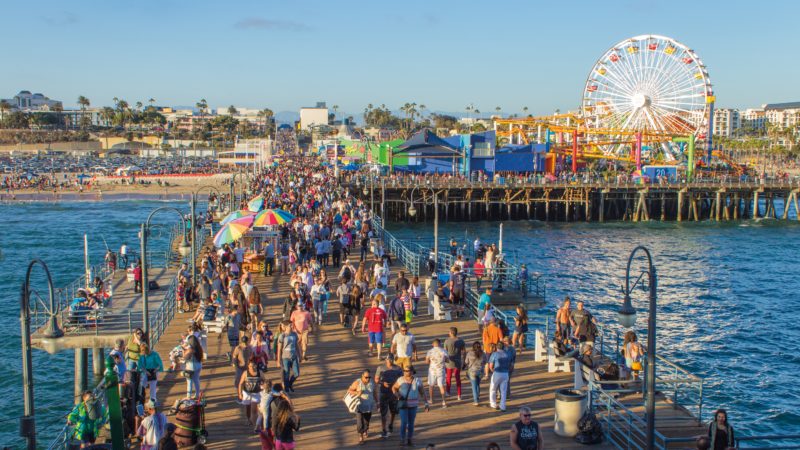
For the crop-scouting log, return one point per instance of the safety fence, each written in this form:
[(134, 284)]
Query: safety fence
[(158, 321)]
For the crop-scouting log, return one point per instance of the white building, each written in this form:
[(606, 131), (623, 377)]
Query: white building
[(726, 122), (754, 119), (256, 153), (317, 115), (786, 115), (27, 102)]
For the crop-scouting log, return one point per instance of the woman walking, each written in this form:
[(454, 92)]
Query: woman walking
[(250, 391), (721, 432), (415, 291), (475, 365), (150, 364), (193, 364), (408, 390), (133, 348), (364, 389), (284, 423), (520, 328), (633, 352)]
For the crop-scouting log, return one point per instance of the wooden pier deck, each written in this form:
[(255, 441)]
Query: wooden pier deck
[(119, 316), (336, 358)]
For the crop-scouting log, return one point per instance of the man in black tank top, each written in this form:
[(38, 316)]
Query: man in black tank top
[(525, 433)]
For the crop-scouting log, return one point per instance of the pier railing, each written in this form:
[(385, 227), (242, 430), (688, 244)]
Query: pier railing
[(599, 183), (680, 387), (159, 321)]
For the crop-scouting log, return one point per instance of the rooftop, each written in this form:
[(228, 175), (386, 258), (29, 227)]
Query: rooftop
[(781, 106)]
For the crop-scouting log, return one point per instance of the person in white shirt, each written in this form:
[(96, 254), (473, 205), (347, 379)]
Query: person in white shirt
[(436, 358)]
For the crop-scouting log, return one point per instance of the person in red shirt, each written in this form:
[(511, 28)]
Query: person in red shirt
[(376, 318), (137, 278), (302, 323)]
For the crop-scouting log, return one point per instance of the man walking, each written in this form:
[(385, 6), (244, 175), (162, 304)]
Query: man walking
[(436, 359), (455, 347), (123, 254), (387, 376), (512, 360), (288, 355), (403, 347), (498, 365), (269, 258), (376, 319), (525, 433)]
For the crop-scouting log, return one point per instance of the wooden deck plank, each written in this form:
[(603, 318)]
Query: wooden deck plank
[(336, 358)]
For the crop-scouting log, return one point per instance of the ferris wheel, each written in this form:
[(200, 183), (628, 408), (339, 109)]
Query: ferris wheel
[(649, 83)]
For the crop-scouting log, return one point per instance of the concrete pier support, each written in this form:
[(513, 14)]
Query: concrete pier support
[(98, 363), (679, 213), (602, 211), (755, 205), (718, 206), (81, 368)]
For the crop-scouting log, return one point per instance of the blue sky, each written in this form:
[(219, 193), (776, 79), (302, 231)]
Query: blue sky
[(444, 54)]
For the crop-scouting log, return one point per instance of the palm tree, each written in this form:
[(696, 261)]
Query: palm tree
[(84, 103), (498, 109), (525, 110), (139, 106), (59, 109), (335, 110), (4, 107), (422, 110), (202, 105), (267, 114), (151, 101), (232, 110), (107, 113)]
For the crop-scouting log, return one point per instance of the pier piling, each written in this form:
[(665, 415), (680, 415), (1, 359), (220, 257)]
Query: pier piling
[(81, 367)]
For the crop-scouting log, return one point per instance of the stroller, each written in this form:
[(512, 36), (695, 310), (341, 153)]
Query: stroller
[(190, 419)]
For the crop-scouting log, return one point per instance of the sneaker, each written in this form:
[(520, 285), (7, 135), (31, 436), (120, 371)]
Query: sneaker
[(391, 430), (459, 398), (476, 404), (502, 410), (444, 405), (496, 408), (384, 435)]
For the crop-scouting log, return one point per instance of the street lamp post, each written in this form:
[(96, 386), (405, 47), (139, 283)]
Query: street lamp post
[(183, 249), (627, 317), (233, 190), (27, 423)]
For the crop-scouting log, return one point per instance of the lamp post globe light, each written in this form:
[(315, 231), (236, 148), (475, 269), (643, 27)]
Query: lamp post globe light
[(627, 318), (184, 249), (27, 423)]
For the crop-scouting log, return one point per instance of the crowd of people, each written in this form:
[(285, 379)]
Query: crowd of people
[(333, 231)]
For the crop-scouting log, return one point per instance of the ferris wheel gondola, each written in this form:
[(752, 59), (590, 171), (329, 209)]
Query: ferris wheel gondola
[(650, 84)]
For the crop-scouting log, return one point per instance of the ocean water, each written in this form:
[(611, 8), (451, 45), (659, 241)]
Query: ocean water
[(53, 232), (727, 298), (727, 295)]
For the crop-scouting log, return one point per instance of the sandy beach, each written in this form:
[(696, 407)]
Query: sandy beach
[(175, 187)]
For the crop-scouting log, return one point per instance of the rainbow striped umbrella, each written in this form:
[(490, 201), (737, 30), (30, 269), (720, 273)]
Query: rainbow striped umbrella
[(272, 217), (233, 231), (236, 215), (256, 204)]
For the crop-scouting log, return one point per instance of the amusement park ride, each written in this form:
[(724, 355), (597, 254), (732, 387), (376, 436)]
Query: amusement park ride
[(647, 100)]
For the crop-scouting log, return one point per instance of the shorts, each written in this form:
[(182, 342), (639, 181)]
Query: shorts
[(402, 361), (436, 378), (389, 404), (376, 337), (249, 398), (345, 310), (523, 329)]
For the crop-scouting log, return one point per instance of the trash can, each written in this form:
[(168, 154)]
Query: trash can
[(570, 405)]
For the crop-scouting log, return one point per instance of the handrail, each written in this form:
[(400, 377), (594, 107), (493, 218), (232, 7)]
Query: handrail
[(159, 321)]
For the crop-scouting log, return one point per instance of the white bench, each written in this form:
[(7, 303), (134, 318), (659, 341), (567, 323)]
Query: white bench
[(440, 312), (557, 363), (540, 348), (213, 326)]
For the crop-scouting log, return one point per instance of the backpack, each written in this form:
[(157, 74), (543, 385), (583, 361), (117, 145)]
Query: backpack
[(589, 430), (398, 310)]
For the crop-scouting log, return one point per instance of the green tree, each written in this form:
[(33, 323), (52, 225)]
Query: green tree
[(85, 120), (5, 107), (202, 106), (232, 110)]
